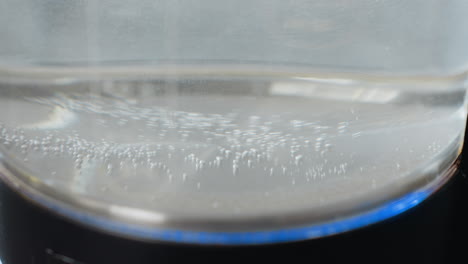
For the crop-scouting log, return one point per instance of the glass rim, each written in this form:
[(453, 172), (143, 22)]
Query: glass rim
[(148, 225)]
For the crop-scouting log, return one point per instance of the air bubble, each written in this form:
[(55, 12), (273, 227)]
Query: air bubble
[(298, 159)]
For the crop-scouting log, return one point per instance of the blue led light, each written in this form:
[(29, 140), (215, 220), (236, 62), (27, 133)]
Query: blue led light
[(383, 212)]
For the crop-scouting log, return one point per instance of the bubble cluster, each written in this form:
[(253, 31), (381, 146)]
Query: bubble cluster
[(218, 146), (179, 143)]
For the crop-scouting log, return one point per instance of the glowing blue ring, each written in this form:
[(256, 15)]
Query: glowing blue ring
[(383, 212)]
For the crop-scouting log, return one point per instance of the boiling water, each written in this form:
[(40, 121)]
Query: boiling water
[(227, 145)]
